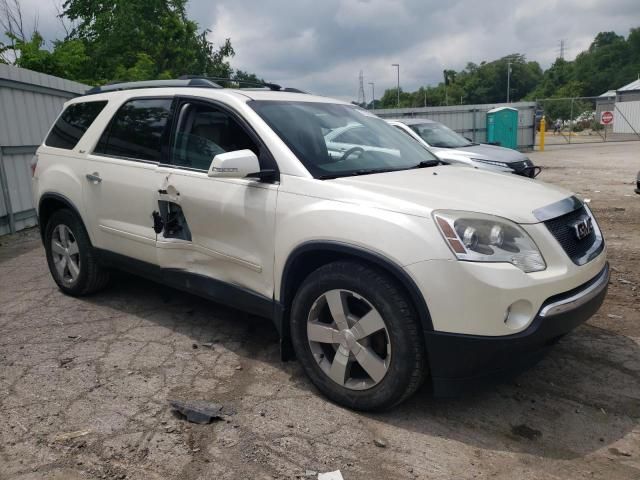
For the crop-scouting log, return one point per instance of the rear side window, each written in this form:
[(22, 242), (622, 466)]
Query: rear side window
[(137, 130), (73, 123)]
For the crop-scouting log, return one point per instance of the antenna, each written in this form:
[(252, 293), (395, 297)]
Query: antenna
[(361, 98), (561, 49)]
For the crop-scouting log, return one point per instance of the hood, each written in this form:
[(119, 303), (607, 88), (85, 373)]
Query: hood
[(484, 151), (420, 191)]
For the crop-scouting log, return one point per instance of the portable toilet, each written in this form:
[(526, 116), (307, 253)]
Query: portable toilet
[(502, 127)]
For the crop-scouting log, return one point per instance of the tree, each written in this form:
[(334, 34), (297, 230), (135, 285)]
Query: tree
[(610, 62), (12, 24), (129, 40), (118, 40), (67, 59)]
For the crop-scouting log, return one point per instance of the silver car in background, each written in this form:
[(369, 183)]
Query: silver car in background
[(451, 147)]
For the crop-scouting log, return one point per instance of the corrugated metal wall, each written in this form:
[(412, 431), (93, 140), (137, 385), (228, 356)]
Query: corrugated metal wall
[(471, 120), (626, 117), (29, 103)]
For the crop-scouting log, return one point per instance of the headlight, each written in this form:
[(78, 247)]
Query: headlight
[(491, 162), (476, 237)]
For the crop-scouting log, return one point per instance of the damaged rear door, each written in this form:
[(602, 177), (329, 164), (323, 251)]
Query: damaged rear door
[(215, 235), (120, 176)]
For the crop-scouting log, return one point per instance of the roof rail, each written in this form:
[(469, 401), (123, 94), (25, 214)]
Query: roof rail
[(188, 81), (182, 82), (250, 83)]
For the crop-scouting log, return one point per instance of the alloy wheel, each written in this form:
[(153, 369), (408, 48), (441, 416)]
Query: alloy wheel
[(349, 339), (66, 254)]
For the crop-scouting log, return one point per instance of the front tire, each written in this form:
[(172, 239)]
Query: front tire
[(72, 261), (357, 336)]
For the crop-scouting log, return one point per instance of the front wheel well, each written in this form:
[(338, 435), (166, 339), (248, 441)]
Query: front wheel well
[(309, 257)]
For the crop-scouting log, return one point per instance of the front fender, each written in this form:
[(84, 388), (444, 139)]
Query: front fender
[(400, 238)]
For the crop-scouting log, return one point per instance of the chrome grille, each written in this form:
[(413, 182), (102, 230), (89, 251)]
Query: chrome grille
[(580, 251)]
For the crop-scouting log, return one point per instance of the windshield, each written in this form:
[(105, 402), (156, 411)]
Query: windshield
[(437, 135), (334, 140)]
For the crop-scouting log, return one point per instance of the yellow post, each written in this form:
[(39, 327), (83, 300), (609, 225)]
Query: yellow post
[(543, 129)]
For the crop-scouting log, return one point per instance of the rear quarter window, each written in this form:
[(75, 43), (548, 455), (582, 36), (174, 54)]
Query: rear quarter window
[(73, 123), (137, 130)]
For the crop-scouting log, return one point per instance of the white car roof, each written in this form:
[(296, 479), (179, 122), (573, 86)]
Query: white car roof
[(411, 121)]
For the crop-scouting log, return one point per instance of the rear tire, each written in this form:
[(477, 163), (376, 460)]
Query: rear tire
[(369, 365), (70, 255)]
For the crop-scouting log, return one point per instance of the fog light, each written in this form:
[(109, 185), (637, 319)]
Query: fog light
[(518, 314)]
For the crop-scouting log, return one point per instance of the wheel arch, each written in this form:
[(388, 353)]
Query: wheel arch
[(311, 255), (49, 203)]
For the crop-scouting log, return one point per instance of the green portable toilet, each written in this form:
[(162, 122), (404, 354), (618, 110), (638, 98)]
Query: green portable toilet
[(502, 127)]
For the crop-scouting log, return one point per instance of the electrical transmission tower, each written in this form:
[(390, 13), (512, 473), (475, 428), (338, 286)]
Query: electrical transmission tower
[(361, 98), (561, 49)]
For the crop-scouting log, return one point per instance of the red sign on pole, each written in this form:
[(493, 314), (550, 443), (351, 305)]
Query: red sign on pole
[(606, 118)]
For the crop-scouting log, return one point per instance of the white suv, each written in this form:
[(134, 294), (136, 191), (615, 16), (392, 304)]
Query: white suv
[(380, 267)]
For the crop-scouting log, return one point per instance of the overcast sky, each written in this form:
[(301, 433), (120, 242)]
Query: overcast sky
[(321, 45)]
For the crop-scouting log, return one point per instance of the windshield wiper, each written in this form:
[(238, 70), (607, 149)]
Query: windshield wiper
[(427, 163), (362, 171), (367, 171)]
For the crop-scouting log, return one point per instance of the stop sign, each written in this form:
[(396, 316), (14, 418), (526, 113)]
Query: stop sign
[(606, 118)]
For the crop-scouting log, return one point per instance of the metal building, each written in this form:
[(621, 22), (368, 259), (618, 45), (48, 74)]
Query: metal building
[(29, 103), (626, 116)]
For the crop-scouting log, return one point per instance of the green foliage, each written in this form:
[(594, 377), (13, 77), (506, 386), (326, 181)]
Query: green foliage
[(610, 62), (144, 39), (484, 83), (67, 59), (121, 40)]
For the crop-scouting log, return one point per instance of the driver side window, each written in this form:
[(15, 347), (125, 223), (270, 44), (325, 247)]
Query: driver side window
[(203, 132)]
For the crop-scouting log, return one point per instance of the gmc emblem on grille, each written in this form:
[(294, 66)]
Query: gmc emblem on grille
[(583, 227)]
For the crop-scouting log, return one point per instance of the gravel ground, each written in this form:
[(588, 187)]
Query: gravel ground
[(85, 383)]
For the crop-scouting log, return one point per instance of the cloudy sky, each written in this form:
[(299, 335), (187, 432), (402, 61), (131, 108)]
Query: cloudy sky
[(321, 45)]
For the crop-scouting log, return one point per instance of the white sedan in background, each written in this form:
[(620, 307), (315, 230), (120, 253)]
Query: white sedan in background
[(353, 139), (451, 147)]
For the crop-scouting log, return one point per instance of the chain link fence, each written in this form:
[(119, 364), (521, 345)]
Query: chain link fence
[(588, 120)]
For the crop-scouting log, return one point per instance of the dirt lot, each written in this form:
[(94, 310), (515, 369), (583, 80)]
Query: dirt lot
[(105, 366)]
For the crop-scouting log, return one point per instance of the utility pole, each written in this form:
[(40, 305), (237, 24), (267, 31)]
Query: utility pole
[(425, 97), (361, 97), (446, 83), (397, 65), (508, 79), (373, 95)]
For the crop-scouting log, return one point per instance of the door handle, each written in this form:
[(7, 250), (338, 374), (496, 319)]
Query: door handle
[(94, 177), (163, 191)]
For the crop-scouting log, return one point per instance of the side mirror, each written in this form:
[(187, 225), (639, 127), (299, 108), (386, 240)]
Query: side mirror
[(238, 164)]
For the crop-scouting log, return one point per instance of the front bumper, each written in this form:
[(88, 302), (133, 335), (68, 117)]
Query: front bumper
[(460, 362), (531, 172)]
